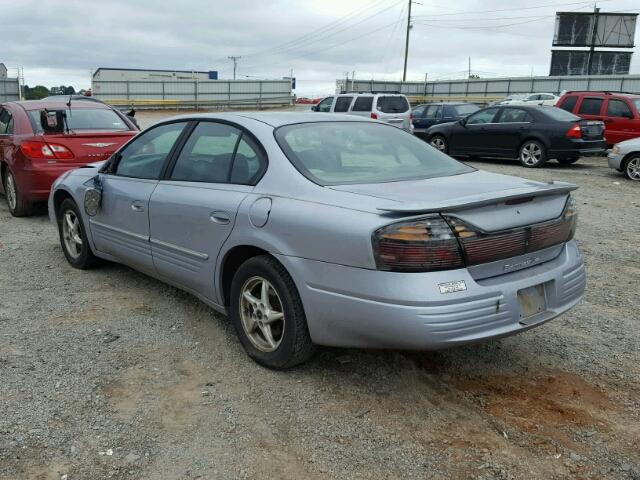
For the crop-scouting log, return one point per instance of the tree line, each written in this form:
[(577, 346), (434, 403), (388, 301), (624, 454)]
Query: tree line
[(40, 91)]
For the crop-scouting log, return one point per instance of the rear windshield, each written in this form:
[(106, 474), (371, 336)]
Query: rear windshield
[(392, 104), (334, 153), (464, 110), (559, 114), (85, 119)]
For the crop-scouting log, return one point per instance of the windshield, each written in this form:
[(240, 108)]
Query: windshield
[(395, 104), (85, 119), (464, 110), (333, 153)]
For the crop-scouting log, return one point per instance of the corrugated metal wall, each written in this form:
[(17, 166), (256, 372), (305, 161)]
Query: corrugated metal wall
[(484, 90), (194, 93), (9, 89)]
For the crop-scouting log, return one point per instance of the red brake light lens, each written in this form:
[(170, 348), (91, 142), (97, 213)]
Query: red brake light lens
[(374, 115), (423, 245), (45, 151), (574, 132)]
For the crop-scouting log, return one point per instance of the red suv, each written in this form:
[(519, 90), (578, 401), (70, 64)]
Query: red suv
[(620, 112), (42, 139)]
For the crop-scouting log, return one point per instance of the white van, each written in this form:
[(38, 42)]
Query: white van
[(391, 108)]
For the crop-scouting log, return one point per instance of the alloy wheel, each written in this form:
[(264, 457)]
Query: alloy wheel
[(439, 143), (531, 154), (633, 169), (10, 188), (71, 234), (262, 314)]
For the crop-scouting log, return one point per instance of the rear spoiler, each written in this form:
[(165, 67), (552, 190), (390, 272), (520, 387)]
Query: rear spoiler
[(480, 200)]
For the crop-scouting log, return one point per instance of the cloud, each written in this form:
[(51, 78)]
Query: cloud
[(60, 43)]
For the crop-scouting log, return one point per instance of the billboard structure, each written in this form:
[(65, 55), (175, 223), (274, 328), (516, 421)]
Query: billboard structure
[(593, 30)]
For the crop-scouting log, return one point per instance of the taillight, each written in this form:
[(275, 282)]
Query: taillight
[(574, 132), (45, 151), (374, 115), (481, 247), (423, 245)]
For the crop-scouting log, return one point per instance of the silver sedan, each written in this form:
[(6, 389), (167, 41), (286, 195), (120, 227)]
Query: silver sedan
[(625, 157), (320, 229)]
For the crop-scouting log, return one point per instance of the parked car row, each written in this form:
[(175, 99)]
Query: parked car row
[(312, 229)]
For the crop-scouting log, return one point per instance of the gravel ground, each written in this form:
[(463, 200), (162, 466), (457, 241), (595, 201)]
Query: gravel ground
[(111, 374)]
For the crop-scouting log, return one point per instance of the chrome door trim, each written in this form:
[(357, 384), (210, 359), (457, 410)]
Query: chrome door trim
[(119, 230), (177, 248)]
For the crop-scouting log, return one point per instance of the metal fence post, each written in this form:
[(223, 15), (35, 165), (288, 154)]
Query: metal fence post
[(128, 98), (195, 88), (163, 97)]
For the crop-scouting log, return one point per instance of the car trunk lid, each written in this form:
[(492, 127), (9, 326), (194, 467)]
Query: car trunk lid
[(591, 129)]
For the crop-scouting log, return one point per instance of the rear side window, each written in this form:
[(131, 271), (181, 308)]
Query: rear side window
[(514, 115), (569, 103), (590, 106), (433, 111), (342, 104), (392, 104), (144, 157), (618, 108), (6, 124), (418, 111), (559, 114), (362, 104)]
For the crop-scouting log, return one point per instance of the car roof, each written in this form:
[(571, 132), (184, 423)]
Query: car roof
[(444, 103), (57, 103), (602, 93), (274, 119)]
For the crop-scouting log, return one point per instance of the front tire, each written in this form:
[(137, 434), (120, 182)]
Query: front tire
[(532, 154), (18, 206), (267, 313), (73, 237), (632, 168), (439, 143), (568, 161)]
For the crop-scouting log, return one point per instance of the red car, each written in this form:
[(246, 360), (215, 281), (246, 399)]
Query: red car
[(42, 139), (620, 112)]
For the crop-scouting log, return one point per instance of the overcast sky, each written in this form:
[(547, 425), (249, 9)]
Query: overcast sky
[(60, 43)]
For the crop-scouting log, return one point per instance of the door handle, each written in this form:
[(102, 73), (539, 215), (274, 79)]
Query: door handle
[(137, 206), (221, 218)]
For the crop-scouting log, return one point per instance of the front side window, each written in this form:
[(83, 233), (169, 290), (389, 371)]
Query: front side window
[(85, 119), (618, 108), (325, 105), (483, 116), (332, 153), (590, 106), (342, 104), (433, 112), (395, 104), (514, 115), (217, 153), (362, 104), (144, 157)]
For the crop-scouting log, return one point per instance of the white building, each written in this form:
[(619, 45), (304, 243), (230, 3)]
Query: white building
[(139, 74)]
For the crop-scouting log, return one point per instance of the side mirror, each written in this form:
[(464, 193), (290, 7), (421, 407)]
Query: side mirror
[(131, 113), (463, 121), (314, 108)]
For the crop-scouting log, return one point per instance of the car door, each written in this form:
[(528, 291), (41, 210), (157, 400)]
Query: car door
[(473, 138), (512, 127), (6, 141), (620, 124), (432, 115), (416, 118), (121, 226), (193, 209), (362, 106)]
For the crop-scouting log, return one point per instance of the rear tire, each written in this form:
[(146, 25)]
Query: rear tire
[(632, 168), (18, 206), (73, 237), (438, 142), (532, 154), (568, 161), (267, 313)]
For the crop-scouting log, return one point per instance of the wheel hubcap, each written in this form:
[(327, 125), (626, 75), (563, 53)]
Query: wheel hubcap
[(11, 192), (438, 143), (262, 314), (633, 169), (71, 234), (531, 154)]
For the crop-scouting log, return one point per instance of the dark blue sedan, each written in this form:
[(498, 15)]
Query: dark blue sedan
[(429, 114)]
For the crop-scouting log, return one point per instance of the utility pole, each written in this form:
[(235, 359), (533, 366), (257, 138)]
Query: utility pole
[(235, 64), (594, 32), (406, 45)]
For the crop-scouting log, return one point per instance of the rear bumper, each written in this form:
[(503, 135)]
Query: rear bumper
[(352, 307), (579, 148), (35, 180)]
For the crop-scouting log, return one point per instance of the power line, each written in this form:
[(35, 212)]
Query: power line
[(509, 9)]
